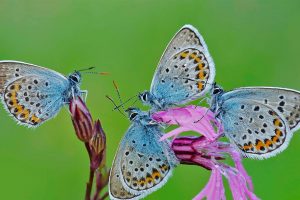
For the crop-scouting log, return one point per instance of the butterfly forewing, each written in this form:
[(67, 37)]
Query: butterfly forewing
[(186, 70), (12, 70)]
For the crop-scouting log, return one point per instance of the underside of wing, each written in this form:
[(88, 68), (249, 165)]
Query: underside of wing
[(141, 165), (31, 100), (116, 189), (256, 129), (186, 70), (282, 100), (12, 70)]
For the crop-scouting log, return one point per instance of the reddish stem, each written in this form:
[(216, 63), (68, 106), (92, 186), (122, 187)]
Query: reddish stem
[(104, 196), (89, 184)]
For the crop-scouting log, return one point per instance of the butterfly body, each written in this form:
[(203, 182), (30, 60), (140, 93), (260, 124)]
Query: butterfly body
[(142, 163), (33, 94), (260, 121), (185, 71)]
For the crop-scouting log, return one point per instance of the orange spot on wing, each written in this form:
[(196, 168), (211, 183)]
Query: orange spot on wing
[(278, 132), (155, 175), (247, 147), (149, 179), (268, 143), (193, 55), (35, 119), (164, 167), (259, 145), (201, 75), (200, 86), (184, 54), (142, 181), (274, 139), (26, 112), (197, 60), (200, 66), (277, 122)]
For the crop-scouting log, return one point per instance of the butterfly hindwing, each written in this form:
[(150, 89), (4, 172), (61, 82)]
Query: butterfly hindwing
[(116, 189), (282, 100), (33, 99), (145, 164), (186, 70), (253, 121)]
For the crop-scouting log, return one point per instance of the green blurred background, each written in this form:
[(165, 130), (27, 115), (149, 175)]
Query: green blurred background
[(252, 43)]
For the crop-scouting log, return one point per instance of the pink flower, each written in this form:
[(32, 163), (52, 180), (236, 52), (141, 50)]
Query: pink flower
[(189, 118), (207, 152)]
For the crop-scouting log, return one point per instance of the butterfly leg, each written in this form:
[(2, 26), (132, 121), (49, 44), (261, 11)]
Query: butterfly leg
[(85, 93), (202, 116)]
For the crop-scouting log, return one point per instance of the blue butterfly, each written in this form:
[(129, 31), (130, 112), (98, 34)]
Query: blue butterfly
[(260, 121), (142, 164), (33, 94), (185, 72)]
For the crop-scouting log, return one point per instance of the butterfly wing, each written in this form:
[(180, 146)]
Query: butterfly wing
[(143, 163), (116, 189), (12, 70), (282, 100), (186, 70), (258, 120), (33, 99)]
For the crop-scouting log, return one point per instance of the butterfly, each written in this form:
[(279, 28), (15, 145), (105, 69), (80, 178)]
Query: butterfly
[(185, 71), (142, 163), (33, 94), (260, 121)]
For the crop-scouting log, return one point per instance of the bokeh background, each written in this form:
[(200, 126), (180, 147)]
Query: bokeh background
[(252, 43)]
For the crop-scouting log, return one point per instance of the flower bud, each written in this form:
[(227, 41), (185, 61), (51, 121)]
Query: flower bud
[(82, 119), (98, 141)]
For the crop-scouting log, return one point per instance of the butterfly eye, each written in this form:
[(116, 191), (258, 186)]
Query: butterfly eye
[(145, 97), (216, 91), (74, 78), (132, 116)]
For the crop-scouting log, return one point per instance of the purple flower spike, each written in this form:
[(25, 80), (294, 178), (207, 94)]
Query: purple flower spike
[(207, 152)]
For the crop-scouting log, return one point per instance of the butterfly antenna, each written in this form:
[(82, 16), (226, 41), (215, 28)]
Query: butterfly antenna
[(132, 105), (119, 96), (125, 102), (97, 73), (109, 98), (202, 116), (85, 69)]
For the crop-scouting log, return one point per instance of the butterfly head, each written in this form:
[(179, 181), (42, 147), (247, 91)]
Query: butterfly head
[(136, 115), (146, 97), (75, 78), (216, 92), (150, 100)]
